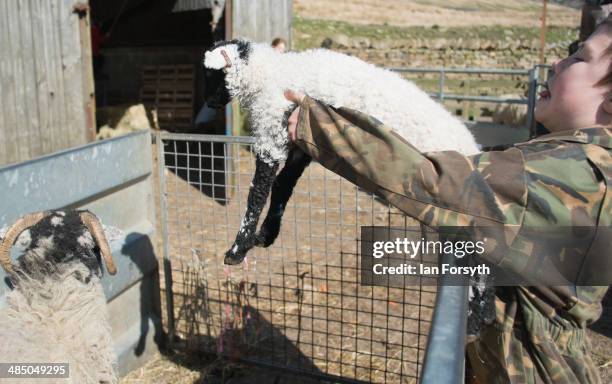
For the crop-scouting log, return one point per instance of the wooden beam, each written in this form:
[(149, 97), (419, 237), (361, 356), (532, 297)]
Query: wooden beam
[(89, 99), (543, 32)]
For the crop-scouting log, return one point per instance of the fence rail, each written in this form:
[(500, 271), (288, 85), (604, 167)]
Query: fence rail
[(446, 343), (533, 75)]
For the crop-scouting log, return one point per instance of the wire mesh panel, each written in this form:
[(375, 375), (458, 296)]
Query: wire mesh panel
[(298, 304)]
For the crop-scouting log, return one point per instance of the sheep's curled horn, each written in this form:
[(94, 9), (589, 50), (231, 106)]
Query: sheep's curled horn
[(89, 219), (97, 232)]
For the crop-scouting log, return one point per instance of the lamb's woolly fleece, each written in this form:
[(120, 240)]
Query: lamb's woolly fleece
[(60, 319), (338, 80)]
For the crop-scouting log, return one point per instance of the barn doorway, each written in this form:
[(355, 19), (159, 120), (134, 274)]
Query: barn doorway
[(151, 52)]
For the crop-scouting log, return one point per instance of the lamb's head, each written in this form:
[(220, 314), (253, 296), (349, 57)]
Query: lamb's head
[(225, 57), (60, 242)]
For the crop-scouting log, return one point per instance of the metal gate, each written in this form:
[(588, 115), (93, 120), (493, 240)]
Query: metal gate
[(299, 304), (533, 78)]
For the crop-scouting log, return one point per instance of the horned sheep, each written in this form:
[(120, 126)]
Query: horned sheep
[(56, 310)]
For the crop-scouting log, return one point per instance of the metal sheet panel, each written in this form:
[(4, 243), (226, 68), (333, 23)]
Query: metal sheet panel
[(113, 179), (74, 175)]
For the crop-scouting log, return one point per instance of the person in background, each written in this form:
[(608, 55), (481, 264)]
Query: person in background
[(279, 44), (564, 178), (98, 38)]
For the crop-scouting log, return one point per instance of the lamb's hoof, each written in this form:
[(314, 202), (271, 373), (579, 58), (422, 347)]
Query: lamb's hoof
[(267, 234), (263, 238), (233, 258), (260, 240)]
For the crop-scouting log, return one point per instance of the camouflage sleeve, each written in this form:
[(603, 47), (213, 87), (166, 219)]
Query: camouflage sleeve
[(436, 188)]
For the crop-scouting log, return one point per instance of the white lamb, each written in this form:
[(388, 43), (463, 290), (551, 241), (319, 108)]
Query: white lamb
[(56, 312), (257, 76)]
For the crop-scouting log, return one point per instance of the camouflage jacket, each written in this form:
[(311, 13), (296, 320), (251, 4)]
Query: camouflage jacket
[(556, 179)]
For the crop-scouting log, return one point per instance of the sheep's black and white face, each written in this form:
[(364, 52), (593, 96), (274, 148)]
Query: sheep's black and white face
[(216, 94), (217, 61), (61, 238)]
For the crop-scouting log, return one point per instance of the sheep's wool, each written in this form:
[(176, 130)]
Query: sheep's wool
[(60, 319), (339, 80), (56, 311)]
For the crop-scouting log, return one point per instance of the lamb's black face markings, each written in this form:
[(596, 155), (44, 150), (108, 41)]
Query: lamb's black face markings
[(68, 235), (216, 94), (244, 48)]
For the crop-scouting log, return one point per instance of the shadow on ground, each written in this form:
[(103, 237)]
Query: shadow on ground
[(232, 329), (194, 363)]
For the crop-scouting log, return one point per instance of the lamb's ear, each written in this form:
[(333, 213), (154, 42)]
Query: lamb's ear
[(222, 57)]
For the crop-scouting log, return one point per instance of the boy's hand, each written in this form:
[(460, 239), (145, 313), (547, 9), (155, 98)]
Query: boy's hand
[(297, 98)]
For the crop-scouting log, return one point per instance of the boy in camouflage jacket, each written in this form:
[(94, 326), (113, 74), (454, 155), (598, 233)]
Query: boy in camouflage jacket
[(562, 178)]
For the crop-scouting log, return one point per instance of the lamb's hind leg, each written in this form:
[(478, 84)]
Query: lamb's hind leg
[(258, 194), (296, 163)]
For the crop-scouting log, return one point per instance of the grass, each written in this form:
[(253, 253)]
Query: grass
[(469, 85), (479, 6), (310, 32)]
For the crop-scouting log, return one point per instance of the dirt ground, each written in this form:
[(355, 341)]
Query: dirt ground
[(447, 13), (183, 368)]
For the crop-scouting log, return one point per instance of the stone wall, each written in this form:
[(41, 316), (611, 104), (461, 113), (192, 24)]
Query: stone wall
[(483, 53)]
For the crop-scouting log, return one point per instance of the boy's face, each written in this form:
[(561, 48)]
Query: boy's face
[(573, 98)]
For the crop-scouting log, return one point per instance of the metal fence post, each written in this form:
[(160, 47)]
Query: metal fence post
[(446, 341), (161, 167), (442, 80), (531, 99), (442, 71)]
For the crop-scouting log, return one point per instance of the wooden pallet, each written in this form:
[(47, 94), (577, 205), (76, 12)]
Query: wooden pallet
[(170, 89)]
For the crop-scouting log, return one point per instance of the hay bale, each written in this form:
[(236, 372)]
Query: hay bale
[(133, 119)]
